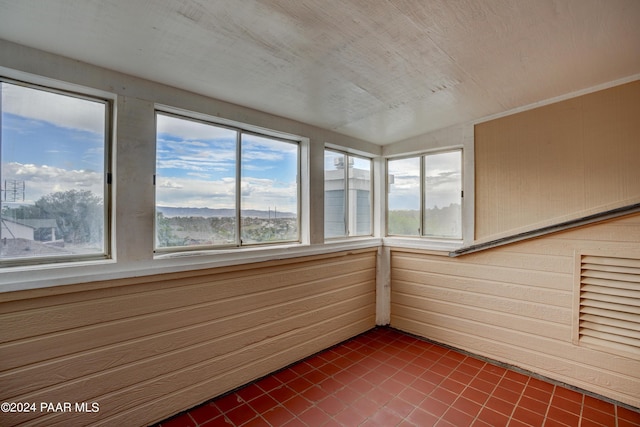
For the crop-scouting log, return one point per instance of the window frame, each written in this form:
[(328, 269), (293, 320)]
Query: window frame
[(240, 129), (347, 212), (88, 94), (422, 190)]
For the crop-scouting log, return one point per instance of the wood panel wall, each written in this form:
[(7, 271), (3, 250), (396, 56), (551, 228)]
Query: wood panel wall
[(558, 162), (147, 348), (514, 304)]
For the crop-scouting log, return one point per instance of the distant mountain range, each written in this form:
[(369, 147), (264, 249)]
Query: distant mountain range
[(170, 212)]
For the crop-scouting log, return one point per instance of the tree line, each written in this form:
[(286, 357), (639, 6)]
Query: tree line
[(79, 216)]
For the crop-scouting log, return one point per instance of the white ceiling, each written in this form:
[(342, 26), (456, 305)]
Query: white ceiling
[(379, 70)]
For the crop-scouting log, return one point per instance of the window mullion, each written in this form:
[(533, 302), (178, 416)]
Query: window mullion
[(423, 197), (347, 228), (238, 188)]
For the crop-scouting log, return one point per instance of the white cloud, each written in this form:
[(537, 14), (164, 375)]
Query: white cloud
[(190, 130), (256, 194), (60, 110), (195, 156), (195, 193), (43, 180)]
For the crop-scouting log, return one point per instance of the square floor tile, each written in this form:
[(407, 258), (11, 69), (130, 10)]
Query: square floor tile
[(385, 377)]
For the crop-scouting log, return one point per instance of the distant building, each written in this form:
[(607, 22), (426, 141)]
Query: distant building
[(29, 229), (359, 221), (10, 229)]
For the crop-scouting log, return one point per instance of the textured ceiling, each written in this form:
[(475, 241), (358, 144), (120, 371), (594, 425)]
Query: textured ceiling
[(377, 70)]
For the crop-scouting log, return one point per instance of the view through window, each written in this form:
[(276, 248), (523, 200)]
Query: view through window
[(223, 186), (52, 152), (347, 195), (424, 196)]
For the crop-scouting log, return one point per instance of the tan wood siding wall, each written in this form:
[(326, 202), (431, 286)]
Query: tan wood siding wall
[(514, 304), (558, 162), (146, 348)]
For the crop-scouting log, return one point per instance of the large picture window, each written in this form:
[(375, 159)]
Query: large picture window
[(424, 196), (53, 172), (347, 195), (222, 186)]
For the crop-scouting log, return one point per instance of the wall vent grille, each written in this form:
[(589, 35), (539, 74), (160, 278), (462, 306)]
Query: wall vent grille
[(608, 303)]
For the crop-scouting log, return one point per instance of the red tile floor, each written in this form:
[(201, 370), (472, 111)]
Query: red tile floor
[(387, 378)]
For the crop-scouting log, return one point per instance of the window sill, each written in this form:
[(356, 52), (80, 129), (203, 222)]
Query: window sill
[(251, 254), (45, 276), (420, 243)]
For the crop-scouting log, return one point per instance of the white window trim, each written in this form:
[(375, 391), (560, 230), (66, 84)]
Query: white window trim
[(303, 184), (110, 101), (373, 177), (426, 242), (39, 277), (43, 276)]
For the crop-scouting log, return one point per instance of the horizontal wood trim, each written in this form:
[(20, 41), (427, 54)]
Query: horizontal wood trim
[(75, 292), (428, 295), (183, 292), (180, 340), (406, 306), (50, 346), (524, 314), (203, 390), (550, 229), (539, 278), (485, 288), (33, 376), (125, 388)]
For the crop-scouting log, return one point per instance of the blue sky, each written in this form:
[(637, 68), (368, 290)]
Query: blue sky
[(26, 140), (55, 142), (51, 142), (196, 167)]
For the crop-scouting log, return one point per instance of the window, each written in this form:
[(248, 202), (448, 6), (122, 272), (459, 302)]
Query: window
[(347, 195), (220, 186), (424, 196), (53, 170)]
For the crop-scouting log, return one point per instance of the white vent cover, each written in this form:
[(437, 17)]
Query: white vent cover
[(607, 303)]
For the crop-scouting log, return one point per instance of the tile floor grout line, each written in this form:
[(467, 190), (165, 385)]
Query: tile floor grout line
[(407, 360)]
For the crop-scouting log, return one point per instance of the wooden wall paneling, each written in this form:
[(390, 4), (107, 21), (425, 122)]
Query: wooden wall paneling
[(522, 315), (130, 303), (483, 288), (116, 391), (442, 265), (48, 346), (558, 161), (423, 309), (201, 392), (33, 376), (193, 336), (434, 295), (612, 157), (575, 367)]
